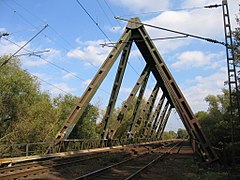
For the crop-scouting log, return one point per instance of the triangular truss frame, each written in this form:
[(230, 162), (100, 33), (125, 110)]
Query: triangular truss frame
[(153, 122)]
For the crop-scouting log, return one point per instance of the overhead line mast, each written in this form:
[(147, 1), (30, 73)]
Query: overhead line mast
[(232, 77)]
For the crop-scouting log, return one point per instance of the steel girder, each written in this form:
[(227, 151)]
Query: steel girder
[(133, 121), (78, 110), (161, 119), (164, 121), (139, 83), (170, 88), (149, 107), (155, 118), (136, 32), (115, 89)]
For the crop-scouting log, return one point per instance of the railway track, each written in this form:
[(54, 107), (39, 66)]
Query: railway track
[(37, 168), (130, 168), (131, 159)]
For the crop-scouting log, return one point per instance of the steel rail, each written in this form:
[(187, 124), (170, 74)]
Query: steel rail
[(43, 167), (153, 161), (95, 173)]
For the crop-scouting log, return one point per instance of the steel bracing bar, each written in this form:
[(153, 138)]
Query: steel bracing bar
[(155, 117), (129, 100), (170, 87), (165, 121), (147, 121), (115, 90), (145, 112), (133, 122), (78, 110), (161, 119)]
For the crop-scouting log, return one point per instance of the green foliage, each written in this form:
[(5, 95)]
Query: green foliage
[(215, 122), (127, 120), (86, 126), (182, 134), (169, 135), (29, 115), (236, 35), (19, 93)]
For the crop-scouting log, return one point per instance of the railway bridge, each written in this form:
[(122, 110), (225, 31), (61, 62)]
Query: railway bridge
[(134, 155)]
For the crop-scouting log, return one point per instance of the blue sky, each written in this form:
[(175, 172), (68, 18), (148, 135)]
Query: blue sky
[(75, 55)]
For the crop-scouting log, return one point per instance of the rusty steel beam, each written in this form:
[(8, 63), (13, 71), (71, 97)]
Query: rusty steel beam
[(170, 87), (155, 117), (165, 121), (78, 110), (161, 119), (133, 122), (136, 32), (148, 119), (115, 89), (129, 100)]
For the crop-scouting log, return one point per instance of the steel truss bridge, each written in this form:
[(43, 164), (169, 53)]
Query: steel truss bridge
[(152, 120), (172, 97)]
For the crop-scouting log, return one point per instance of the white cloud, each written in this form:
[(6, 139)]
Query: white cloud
[(61, 88), (137, 6), (2, 30), (116, 29), (126, 90), (204, 86), (8, 48), (87, 82), (194, 59), (42, 76), (90, 52), (69, 76)]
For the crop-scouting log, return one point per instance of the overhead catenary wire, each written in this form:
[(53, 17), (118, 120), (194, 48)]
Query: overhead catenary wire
[(55, 65), (90, 16), (104, 12), (22, 47), (173, 31), (102, 31), (179, 9), (153, 39), (49, 26)]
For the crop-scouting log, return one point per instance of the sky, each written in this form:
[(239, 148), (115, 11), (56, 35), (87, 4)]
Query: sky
[(74, 39)]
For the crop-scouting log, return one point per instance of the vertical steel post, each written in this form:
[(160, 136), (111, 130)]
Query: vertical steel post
[(232, 76)]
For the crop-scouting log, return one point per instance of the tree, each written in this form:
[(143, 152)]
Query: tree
[(216, 121), (182, 133), (26, 113), (169, 135), (236, 35), (86, 127)]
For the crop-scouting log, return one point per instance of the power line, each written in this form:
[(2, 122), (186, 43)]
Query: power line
[(22, 47), (104, 12), (180, 9), (57, 66), (50, 84), (89, 15), (173, 31), (142, 40), (50, 27), (110, 9), (102, 30)]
